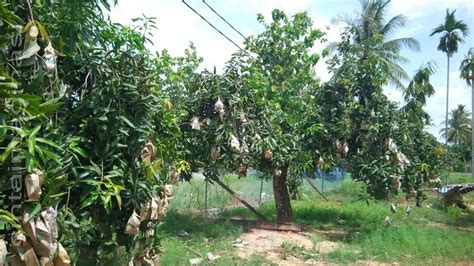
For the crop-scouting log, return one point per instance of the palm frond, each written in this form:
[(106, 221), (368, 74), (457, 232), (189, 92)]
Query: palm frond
[(466, 68), (393, 24), (438, 29)]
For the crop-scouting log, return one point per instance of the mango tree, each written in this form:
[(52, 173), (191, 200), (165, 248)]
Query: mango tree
[(280, 77)]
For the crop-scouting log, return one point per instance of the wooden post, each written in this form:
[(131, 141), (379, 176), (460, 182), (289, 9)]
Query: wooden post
[(317, 190), (232, 193), (261, 189)]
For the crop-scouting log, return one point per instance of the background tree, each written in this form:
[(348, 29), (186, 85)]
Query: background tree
[(372, 30), (467, 73), (452, 33), (459, 130)]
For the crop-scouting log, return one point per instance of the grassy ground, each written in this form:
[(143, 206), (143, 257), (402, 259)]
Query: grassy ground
[(431, 234), (456, 178)]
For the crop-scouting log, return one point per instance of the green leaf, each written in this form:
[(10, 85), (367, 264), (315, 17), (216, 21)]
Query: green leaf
[(3, 131), (32, 140), (11, 146), (89, 200), (48, 142), (123, 118)]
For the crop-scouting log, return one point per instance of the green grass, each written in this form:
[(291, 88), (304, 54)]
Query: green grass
[(205, 236), (456, 178), (433, 234)]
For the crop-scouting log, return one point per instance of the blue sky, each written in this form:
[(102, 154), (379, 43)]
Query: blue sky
[(178, 26)]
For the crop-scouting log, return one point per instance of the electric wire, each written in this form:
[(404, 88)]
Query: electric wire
[(228, 23), (214, 27)]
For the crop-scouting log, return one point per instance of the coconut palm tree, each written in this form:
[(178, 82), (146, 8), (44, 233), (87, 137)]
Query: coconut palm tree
[(371, 22), (467, 73), (459, 130), (452, 33)]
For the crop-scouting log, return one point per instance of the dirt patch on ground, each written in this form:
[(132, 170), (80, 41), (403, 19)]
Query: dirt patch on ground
[(325, 247), (444, 226), (374, 263), (268, 243)]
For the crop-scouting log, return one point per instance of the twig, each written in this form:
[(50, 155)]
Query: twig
[(31, 10), (194, 251)]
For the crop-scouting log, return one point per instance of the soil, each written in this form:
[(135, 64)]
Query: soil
[(269, 244)]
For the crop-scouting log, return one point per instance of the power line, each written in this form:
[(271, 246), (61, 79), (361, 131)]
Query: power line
[(228, 23), (220, 32)]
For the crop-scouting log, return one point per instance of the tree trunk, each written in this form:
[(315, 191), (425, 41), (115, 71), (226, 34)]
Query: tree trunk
[(282, 197), (472, 124), (447, 111)]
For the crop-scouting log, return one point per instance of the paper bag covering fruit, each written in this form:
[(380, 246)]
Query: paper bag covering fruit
[(145, 211), (148, 152), (234, 144), (195, 123), (43, 232), (241, 170), (155, 208), (23, 253), (219, 107), (145, 261), (215, 153), (39, 245), (50, 57), (3, 252), (133, 224), (33, 184), (62, 259)]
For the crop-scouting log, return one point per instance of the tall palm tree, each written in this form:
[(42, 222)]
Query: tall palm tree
[(459, 130), (451, 32), (467, 73), (371, 22)]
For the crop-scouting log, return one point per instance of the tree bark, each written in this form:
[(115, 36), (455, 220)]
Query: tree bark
[(447, 111), (282, 197), (472, 124)]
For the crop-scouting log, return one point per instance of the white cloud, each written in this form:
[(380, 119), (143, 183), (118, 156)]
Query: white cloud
[(395, 95), (419, 8), (454, 75), (177, 27)]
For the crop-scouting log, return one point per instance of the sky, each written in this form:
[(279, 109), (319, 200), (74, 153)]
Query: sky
[(178, 26)]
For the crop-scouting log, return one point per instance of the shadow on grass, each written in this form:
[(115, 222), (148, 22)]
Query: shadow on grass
[(197, 226)]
